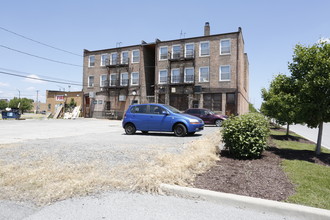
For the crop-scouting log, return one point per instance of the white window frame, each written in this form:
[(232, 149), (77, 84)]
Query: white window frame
[(176, 45), (133, 56), (185, 74), (221, 46), (102, 84), (220, 73), (121, 79), (200, 48), (89, 61), (160, 54), (200, 74), (110, 79), (172, 76), (112, 62), (122, 57), (162, 70), (132, 78), (88, 82), (185, 49), (104, 60)]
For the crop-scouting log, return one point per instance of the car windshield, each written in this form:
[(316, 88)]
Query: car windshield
[(211, 113), (174, 110)]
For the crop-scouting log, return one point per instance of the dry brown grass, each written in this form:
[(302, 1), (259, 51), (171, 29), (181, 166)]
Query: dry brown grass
[(49, 179)]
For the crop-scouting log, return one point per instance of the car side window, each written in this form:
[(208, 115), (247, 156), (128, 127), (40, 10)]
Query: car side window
[(203, 112), (154, 109), (139, 109)]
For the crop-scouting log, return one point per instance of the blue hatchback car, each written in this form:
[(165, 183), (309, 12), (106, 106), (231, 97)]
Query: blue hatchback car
[(160, 117)]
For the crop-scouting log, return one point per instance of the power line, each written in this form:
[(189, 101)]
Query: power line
[(47, 45), (44, 58), (35, 78), (52, 78)]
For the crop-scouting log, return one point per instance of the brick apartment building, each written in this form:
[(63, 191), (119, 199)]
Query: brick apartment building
[(209, 71)]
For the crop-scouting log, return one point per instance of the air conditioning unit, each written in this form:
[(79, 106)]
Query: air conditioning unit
[(197, 89), (91, 94)]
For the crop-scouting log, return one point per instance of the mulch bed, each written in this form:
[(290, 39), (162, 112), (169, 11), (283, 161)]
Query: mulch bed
[(261, 178)]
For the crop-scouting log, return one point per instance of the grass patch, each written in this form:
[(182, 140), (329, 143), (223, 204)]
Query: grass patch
[(312, 180), (47, 180)]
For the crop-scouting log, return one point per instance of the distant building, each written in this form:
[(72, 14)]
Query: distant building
[(210, 71), (61, 98)]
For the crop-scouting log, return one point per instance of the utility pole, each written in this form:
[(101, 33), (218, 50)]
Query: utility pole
[(37, 107), (19, 94)]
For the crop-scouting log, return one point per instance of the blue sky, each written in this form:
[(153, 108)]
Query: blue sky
[(271, 29)]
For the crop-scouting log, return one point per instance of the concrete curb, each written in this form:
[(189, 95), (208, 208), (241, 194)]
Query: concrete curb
[(245, 202)]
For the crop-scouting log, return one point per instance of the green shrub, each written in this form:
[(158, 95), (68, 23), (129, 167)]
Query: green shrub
[(245, 136)]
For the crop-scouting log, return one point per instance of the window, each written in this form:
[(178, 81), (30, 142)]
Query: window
[(124, 79), (90, 81), (154, 109), (225, 46), (103, 80), (114, 57), (139, 109), (124, 57), (91, 61), (204, 74), (204, 48), (225, 73), (135, 56), (189, 50), (104, 59), (113, 79), (162, 76), (189, 75), (163, 51), (176, 51), (175, 77), (135, 78)]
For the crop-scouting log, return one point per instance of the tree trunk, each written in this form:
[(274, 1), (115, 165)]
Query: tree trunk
[(287, 129), (319, 140)]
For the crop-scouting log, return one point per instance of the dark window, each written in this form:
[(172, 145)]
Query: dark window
[(154, 109), (213, 101), (107, 105), (139, 109)]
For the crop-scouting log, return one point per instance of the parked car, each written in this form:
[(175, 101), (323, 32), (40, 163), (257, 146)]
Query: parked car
[(160, 117), (207, 116)]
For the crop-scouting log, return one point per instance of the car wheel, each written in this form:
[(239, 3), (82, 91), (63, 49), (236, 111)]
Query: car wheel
[(144, 132), (180, 130), (218, 123), (130, 129)]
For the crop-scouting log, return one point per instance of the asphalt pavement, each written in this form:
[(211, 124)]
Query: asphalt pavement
[(312, 133), (118, 204)]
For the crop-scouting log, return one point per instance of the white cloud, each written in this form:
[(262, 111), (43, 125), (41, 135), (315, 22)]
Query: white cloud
[(34, 79), (4, 84), (324, 40)]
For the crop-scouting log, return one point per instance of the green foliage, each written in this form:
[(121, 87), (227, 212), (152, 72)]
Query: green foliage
[(252, 109), (245, 136), (280, 101), (311, 71), (3, 104), (24, 104)]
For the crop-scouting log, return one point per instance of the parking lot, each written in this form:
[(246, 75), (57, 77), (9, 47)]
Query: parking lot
[(58, 159)]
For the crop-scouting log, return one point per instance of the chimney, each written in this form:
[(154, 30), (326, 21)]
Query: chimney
[(207, 29)]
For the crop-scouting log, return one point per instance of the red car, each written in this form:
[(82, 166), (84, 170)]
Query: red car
[(207, 115)]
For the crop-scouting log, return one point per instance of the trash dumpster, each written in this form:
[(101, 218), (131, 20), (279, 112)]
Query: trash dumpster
[(13, 113)]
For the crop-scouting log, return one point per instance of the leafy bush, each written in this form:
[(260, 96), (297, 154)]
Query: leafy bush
[(245, 136)]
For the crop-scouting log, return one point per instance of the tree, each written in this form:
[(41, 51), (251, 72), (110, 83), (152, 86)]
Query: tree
[(3, 104), (310, 70), (23, 104), (252, 109), (280, 101)]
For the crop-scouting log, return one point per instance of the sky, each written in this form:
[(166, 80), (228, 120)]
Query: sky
[(46, 39)]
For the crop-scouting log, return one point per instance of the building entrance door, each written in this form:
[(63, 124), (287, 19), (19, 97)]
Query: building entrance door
[(179, 101)]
